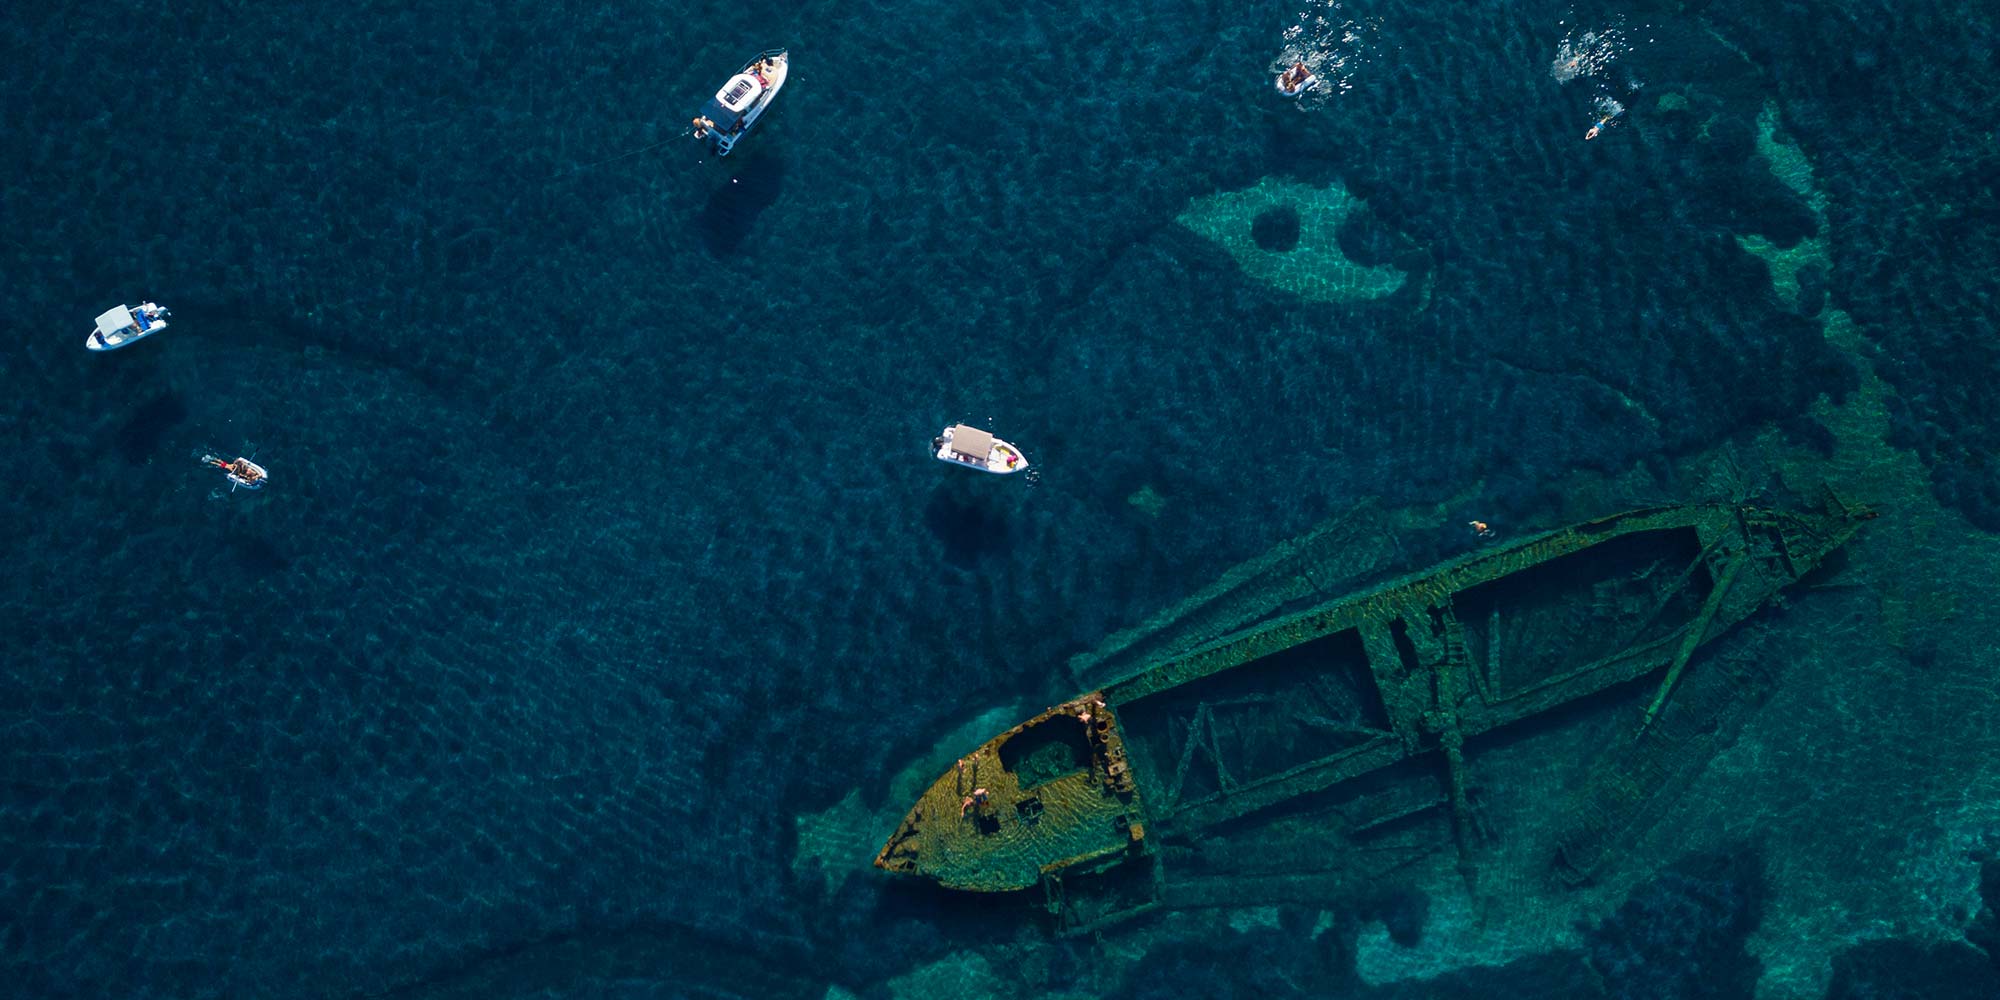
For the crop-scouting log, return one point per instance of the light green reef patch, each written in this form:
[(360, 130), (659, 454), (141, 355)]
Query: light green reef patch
[(1785, 262), (1147, 500), (1315, 268), (1928, 571), (1789, 164)]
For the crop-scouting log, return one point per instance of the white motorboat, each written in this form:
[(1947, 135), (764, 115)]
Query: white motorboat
[(728, 115), (127, 325), (241, 472), (970, 446)]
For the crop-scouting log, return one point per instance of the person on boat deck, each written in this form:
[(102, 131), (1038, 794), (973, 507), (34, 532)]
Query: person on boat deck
[(702, 123), (242, 467), (758, 72)]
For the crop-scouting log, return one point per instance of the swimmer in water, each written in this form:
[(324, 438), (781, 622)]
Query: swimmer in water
[(1602, 124)]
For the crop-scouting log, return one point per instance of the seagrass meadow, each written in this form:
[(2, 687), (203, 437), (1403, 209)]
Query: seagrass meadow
[(604, 616)]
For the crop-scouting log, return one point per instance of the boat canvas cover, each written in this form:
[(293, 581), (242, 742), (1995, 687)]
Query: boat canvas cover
[(115, 320), (971, 441)]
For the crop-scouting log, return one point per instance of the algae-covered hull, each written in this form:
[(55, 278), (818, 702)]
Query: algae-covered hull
[(1354, 686)]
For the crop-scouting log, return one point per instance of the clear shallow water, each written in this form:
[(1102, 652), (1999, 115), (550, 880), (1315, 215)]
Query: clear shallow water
[(600, 544)]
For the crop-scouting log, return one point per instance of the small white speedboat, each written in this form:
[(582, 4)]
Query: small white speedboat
[(127, 325), (728, 115), (970, 446), (241, 472)]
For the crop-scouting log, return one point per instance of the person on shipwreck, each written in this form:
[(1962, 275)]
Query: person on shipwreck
[(978, 798)]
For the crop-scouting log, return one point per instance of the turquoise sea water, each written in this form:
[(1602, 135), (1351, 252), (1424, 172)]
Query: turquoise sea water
[(603, 589)]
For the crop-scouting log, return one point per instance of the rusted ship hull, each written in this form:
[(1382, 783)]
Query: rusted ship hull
[(1349, 688)]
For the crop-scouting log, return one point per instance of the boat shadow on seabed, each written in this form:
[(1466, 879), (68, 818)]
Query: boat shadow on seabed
[(733, 207), (971, 526)]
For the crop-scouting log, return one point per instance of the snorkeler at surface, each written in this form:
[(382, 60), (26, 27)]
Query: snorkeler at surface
[(1603, 123)]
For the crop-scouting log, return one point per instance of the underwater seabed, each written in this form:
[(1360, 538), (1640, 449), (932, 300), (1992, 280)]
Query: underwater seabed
[(1846, 737), (1841, 724), (1850, 716), (1917, 801)]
